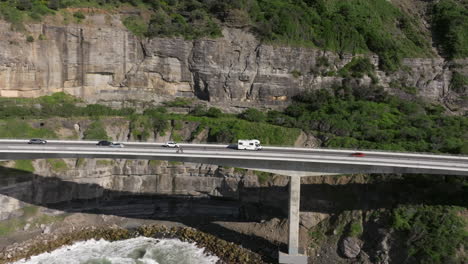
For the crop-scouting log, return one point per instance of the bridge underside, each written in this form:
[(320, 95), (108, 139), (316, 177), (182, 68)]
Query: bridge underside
[(293, 168)]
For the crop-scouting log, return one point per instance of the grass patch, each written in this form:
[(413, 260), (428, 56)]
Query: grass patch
[(24, 165), (355, 228), (57, 165), (240, 170), (105, 162), (155, 163), (29, 211), (229, 129), (263, 177), (316, 237), (14, 128)]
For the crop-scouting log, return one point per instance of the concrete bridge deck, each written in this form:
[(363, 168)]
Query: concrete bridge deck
[(294, 162)]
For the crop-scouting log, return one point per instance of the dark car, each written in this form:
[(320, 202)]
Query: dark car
[(37, 141), (358, 154), (104, 143)]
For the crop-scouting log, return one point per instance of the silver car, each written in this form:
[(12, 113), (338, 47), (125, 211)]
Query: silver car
[(116, 145), (37, 141)]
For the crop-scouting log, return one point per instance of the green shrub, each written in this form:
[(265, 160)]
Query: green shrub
[(322, 61), (357, 67), (432, 233), (198, 110), (141, 126), (30, 39), (160, 125), (179, 102), (178, 125), (95, 131), (79, 16), (459, 83), (253, 115), (155, 111), (296, 73), (136, 25), (214, 112), (450, 28), (371, 119), (11, 14), (190, 22)]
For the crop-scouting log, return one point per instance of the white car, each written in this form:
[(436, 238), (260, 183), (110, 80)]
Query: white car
[(171, 144), (116, 145)]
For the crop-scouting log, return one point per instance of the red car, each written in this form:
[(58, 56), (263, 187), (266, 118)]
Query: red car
[(358, 154)]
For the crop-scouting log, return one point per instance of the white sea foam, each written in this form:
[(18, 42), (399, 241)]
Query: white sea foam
[(140, 250)]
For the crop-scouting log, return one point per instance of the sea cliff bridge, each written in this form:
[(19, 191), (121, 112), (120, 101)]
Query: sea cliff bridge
[(293, 162)]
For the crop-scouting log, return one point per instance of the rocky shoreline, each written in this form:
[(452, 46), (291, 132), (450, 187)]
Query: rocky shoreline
[(228, 252)]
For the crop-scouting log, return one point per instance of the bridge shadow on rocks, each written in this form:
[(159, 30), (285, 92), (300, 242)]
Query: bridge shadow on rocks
[(385, 191), (201, 213), (252, 204)]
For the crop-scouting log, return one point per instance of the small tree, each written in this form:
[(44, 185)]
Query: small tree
[(214, 112), (198, 110)]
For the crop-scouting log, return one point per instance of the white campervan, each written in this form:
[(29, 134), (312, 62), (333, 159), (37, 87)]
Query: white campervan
[(249, 144)]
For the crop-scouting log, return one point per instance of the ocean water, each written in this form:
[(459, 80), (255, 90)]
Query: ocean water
[(140, 250)]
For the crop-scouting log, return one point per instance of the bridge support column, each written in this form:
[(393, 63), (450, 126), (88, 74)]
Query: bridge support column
[(293, 256)]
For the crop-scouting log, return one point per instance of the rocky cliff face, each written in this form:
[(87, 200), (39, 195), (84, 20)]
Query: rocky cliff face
[(101, 61)]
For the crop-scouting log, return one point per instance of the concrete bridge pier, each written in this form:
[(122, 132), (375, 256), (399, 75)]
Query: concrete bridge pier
[(293, 256)]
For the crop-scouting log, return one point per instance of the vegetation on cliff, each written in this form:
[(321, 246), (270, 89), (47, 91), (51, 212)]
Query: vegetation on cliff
[(221, 127), (344, 117), (432, 234), (355, 26), (450, 27), (363, 118)]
